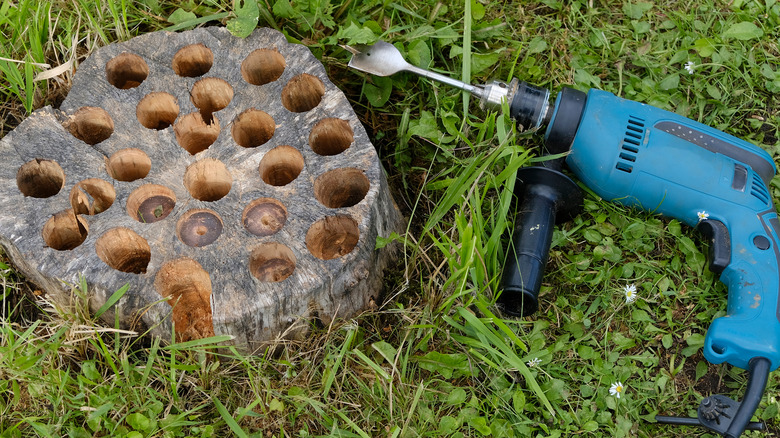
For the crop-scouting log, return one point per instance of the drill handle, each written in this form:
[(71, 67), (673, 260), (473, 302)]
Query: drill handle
[(545, 194)]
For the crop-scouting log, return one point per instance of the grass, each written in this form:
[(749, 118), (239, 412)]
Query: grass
[(434, 359)]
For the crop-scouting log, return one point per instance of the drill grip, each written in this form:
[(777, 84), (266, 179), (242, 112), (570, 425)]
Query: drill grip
[(545, 195)]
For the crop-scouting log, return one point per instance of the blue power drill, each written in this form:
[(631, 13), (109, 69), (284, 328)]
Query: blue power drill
[(644, 157)]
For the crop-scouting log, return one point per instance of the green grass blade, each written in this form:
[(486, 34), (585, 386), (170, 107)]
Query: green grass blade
[(229, 420), (113, 299)]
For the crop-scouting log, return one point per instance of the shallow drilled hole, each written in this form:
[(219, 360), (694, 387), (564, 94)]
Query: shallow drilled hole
[(271, 262), (341, 188), (129, 164), (150, 203), (126, 70), (332, 237), (253, 128), (194, 134), (64, 231), (264, 217), (124, 250), (262, 66), (210, 95), (208, 180), (188, 288), (192, 61), (281, 165), (90, 124), (199, 227), (157, 110), (40, 178), (302, 93), (92, 196), (331, 136)]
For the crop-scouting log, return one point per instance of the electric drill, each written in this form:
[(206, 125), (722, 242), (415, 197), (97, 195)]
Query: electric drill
[(644, 157)]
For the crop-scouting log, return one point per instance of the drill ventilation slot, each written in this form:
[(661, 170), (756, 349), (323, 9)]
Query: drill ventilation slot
[(635, 134), (759, 190)]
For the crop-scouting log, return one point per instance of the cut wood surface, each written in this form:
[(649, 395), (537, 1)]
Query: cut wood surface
[(227, 181)]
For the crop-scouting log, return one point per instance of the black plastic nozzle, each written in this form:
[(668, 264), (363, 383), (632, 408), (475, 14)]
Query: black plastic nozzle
[(544, 194)]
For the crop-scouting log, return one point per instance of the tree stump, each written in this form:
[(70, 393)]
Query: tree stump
[(227, 181)]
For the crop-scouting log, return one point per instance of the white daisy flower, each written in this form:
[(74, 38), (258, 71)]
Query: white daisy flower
[(703, 215), (616, 389), (689, 67), (533, 362), (630, 293)]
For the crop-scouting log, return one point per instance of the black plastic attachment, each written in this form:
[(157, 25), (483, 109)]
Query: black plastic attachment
[(725, 416), (528, 105), (569, 106), (544, 194)]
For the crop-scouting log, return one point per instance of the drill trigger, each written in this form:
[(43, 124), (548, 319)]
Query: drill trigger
[(717, 234)]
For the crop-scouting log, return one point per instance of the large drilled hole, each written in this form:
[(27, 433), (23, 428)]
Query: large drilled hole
[(92, 196), (331, 136), (194, 134), (157, 110), (64, 231), (90, 124), (150, 203), (341, 188), (264, 217), (40, 178), (208, 179), (302, 93), (272, 262), (188, 288), (124, 250), (332, 237), (262, 66), (129, 164), (281, 165), (253, 128), (126, 70), (199, 227), (210, 95), (192, 61)]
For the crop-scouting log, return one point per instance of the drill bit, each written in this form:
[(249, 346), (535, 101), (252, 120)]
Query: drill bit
[(383, 59)]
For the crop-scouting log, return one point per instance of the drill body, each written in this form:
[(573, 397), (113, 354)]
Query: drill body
[(642, 156)]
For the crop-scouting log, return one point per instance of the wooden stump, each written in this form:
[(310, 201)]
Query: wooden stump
[(226, 180)]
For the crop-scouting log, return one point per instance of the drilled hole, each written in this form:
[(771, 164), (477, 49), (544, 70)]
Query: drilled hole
[(129, 164), (124, 250), (264, 217), (262, 66), (64, 231), (281, 165), (208, 180), (92, 196), (188, 288), (332, 237), (199, 227), (40, 178), (210, 95), (157, 110), (341, 188), (192, 61), (302, 93), (253, 128), (272, 262), (331, 137), (126, 71), (194, 134), (150, 203), (90, 124)]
